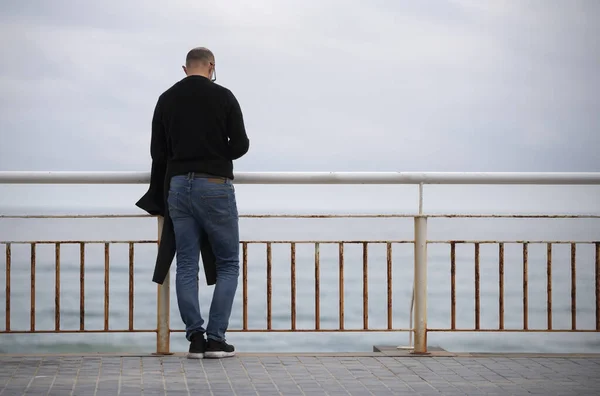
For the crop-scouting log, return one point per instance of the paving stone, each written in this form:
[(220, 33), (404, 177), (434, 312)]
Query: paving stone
[(302, 375)]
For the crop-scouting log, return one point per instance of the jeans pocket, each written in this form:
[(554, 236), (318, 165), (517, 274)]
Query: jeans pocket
[(218, 207)]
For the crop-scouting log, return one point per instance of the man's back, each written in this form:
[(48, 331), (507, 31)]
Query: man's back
[(197, 131), (203, 127)]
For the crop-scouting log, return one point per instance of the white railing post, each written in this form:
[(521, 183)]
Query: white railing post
[(420, 284), (163, 305)]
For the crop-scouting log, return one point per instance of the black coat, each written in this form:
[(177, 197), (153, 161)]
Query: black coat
[(155, 203)]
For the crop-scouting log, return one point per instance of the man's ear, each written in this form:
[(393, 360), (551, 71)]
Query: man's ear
[(184, 70)]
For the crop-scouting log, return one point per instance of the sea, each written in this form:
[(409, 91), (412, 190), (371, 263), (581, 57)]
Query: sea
[(305, 231)]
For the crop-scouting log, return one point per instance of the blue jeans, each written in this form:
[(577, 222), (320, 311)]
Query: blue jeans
[(200, 204)]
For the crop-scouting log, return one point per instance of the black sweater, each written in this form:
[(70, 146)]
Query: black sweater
[(198, 127)]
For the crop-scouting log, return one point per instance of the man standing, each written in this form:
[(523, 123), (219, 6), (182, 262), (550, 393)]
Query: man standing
[(198, 130)]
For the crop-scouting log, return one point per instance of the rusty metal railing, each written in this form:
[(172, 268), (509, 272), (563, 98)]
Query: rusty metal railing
[(57, 286), (8, 245), (163, 329), (420, 244), (525, 285)]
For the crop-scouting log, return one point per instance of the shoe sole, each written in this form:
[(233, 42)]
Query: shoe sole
[(195, 356), (218, 354)]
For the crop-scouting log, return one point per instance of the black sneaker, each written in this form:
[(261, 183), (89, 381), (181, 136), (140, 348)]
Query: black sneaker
[(218, 349), (197, 346)]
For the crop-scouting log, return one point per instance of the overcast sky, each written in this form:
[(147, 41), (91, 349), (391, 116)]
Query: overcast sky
[(346, 85)]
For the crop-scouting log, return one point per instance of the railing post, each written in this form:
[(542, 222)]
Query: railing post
[(420, 285), (163, 305)]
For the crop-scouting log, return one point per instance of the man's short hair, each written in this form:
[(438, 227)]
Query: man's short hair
[(197, 55)]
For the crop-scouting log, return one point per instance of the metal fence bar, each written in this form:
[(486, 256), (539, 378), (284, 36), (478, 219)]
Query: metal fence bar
[(77, 331), (453, 285), (341, 285), (269, 288), (501, 286), (525, 287), (312, 242), (245, 285), (106, 283), (477, 289), (365, 286), (82, 286), (310, 330), (326, 330), (549, 286), (317, 288), (445, 330), (573, 286), (293, 284), (326, 216), (389, 286), (32, 291), (7, 302), (57, 288), (597, 286), (131, 285), (52, 242)]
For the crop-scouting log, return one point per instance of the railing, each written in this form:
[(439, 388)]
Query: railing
[(420, 244)]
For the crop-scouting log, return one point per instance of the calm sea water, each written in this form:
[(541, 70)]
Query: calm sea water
[(331, 229)]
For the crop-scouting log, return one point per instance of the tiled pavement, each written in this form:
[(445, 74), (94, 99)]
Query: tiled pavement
[(298, 375)]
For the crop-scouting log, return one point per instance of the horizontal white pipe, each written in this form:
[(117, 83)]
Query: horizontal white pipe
[(73, 177), (85, 177)]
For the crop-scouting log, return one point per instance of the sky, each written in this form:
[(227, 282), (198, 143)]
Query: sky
[(327, 85)]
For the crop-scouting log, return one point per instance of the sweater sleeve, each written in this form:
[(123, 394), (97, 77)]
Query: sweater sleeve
[(158, 144), (236, 131)]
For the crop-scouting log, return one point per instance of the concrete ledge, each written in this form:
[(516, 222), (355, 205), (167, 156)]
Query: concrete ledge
[(389, 350)]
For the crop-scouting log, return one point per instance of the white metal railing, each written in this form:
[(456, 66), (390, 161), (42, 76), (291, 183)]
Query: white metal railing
[(533, 178), (420, 219)]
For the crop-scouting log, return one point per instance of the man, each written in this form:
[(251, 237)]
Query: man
[(198, 130)]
